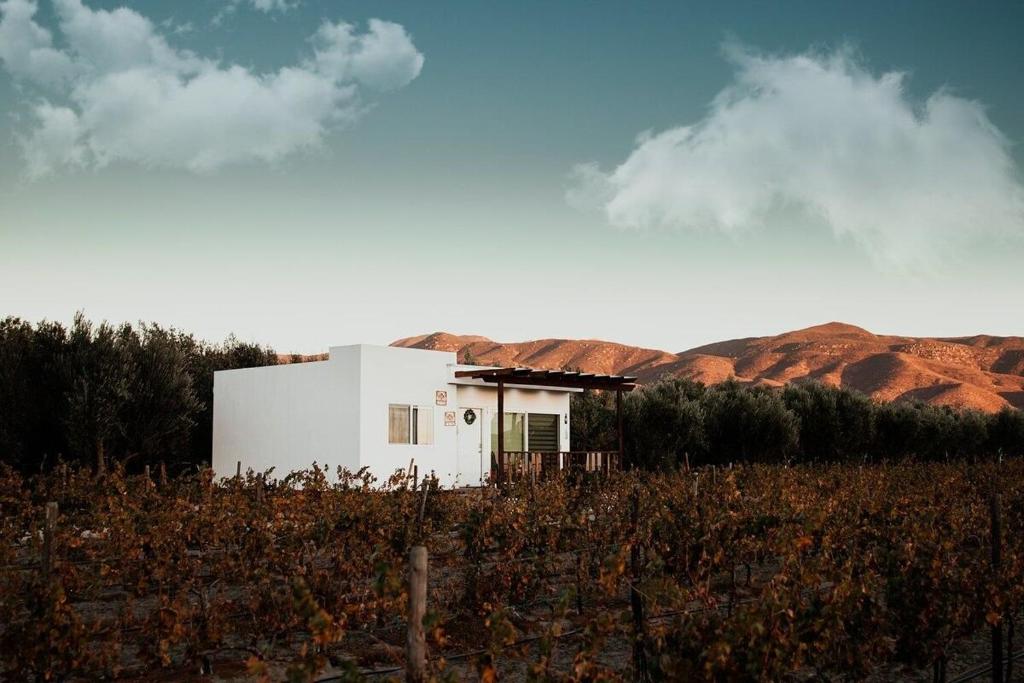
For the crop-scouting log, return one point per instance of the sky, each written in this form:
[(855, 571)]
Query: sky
[(308, 173)]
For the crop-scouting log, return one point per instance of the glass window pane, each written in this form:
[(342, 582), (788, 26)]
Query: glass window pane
[(514, 432), (424, 425), (543, 432), (398, 424)]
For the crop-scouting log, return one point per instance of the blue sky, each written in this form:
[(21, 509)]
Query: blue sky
[(661, 174)]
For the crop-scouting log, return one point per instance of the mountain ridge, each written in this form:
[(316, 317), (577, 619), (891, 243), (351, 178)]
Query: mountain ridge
[(984, 372)]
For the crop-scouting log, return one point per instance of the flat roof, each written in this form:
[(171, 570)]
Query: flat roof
[(550, 378)]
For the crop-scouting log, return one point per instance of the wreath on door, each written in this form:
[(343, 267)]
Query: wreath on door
[(469, 416)]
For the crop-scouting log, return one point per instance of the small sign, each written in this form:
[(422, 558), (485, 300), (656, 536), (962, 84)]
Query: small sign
[(449, 418), (441, 398)]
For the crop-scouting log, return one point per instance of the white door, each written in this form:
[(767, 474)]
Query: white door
[(471, 452)]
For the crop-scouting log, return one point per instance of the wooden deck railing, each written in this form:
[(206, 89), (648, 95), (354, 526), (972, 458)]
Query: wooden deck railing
[(543, 464)]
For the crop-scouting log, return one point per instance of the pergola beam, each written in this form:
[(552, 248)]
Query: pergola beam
[(550, 378)]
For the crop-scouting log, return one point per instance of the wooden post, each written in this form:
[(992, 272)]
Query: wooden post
[(49, 526), (259, 490), (579, 585), (149, 479), (997, 630), (501, 431), (635, 599), (163, 474), (423, 507), (415, 643), (618, 421), (238, 469)]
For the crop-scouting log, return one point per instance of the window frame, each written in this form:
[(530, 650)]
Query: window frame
[(413, 413)]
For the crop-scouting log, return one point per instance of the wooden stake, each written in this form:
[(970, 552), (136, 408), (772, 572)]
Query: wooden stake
[(415, 643), (579, 585), (238, 469), (618, 428), (423, 508), (636, 603), (501, 432), (49, 526), (997, 630)]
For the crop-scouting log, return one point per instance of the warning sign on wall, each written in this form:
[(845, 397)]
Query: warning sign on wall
[(449, 418), (441, 398)]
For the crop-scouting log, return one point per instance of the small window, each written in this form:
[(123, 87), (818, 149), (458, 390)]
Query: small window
[(410, 424), (514, 432)]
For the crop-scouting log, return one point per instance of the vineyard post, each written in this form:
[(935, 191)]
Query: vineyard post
[(145, 472), (163, 474), (501, 432), (635, 601), (997, 629), (238, 470), (206, 481), (423, 509), (415, 643), (618, 429), (49, 526), (579, 585), (259, 490)]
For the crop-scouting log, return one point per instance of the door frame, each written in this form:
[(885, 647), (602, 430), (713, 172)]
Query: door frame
[(459, 431)]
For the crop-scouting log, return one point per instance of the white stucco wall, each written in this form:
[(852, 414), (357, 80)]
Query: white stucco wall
[(285, 416), (405, 376)]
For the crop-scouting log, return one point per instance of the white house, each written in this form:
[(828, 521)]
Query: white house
[(383, 407)]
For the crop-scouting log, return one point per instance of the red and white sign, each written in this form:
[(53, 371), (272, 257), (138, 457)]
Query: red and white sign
[(441, 398), (449, 418)]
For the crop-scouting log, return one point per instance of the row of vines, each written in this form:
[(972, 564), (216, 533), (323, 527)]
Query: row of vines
[(751, 573)]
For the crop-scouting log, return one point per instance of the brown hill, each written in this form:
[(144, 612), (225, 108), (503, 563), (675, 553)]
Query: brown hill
[(981, 372)]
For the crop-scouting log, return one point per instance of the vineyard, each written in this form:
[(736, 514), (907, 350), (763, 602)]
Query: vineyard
[(749, 573)]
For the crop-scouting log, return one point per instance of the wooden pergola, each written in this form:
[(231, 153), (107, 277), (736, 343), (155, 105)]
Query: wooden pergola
[(533, 461)]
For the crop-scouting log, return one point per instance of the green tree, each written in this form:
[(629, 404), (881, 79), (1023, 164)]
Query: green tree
[(162, 407), (101, 370)]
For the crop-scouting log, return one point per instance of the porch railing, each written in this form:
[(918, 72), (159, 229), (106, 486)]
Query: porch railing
[(544, 464)]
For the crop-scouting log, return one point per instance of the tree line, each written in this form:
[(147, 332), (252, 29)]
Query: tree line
[(677, 421), (144, 394), (88, 393)]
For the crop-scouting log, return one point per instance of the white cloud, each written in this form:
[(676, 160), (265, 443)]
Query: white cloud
[(120, 92), (26, 48), (271, 5), (820, 134), (265, 6), (54, 142), (383, 58)]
